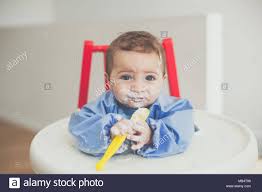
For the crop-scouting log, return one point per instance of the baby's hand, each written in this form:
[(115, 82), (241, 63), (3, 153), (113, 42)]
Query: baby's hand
[(142, 135), (122, 127)]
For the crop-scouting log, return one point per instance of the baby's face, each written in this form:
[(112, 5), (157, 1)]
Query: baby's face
[(137, 77)]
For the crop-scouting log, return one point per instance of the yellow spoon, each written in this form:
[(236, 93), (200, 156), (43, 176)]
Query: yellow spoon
[(139, 115)]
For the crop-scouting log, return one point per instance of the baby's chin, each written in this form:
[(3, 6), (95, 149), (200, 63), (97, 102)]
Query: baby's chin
[(136, 105)]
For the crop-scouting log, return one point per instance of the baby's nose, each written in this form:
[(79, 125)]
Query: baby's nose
[(138, 87)]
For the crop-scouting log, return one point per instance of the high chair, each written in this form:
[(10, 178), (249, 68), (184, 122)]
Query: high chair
[(222, 145)]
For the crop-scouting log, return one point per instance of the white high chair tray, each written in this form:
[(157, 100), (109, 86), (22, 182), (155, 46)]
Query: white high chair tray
[(221, 146)]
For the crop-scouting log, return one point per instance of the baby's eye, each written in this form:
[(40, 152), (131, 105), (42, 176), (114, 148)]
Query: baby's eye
[(150, 78), (126, 77)]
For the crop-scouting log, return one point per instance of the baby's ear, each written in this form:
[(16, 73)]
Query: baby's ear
[(109, 82), (106, 76)]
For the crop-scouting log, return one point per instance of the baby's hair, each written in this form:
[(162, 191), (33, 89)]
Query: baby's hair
[(138, 41)]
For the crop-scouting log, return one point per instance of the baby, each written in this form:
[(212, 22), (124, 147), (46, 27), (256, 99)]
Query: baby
[(135, 68)]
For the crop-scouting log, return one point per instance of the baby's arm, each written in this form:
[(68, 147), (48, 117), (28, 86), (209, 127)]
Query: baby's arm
[(91, 128), (172, 132)]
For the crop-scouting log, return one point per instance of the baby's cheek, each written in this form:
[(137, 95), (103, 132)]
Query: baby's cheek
[(121, 94), (154, 91)]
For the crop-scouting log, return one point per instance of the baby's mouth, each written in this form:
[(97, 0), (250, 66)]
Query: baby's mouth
[(136, 99)]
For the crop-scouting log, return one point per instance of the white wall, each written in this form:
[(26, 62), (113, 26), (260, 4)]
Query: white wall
[(26, 12)]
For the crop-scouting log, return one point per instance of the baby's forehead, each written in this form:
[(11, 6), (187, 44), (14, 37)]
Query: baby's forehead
[(129, 67), (136, 61)]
